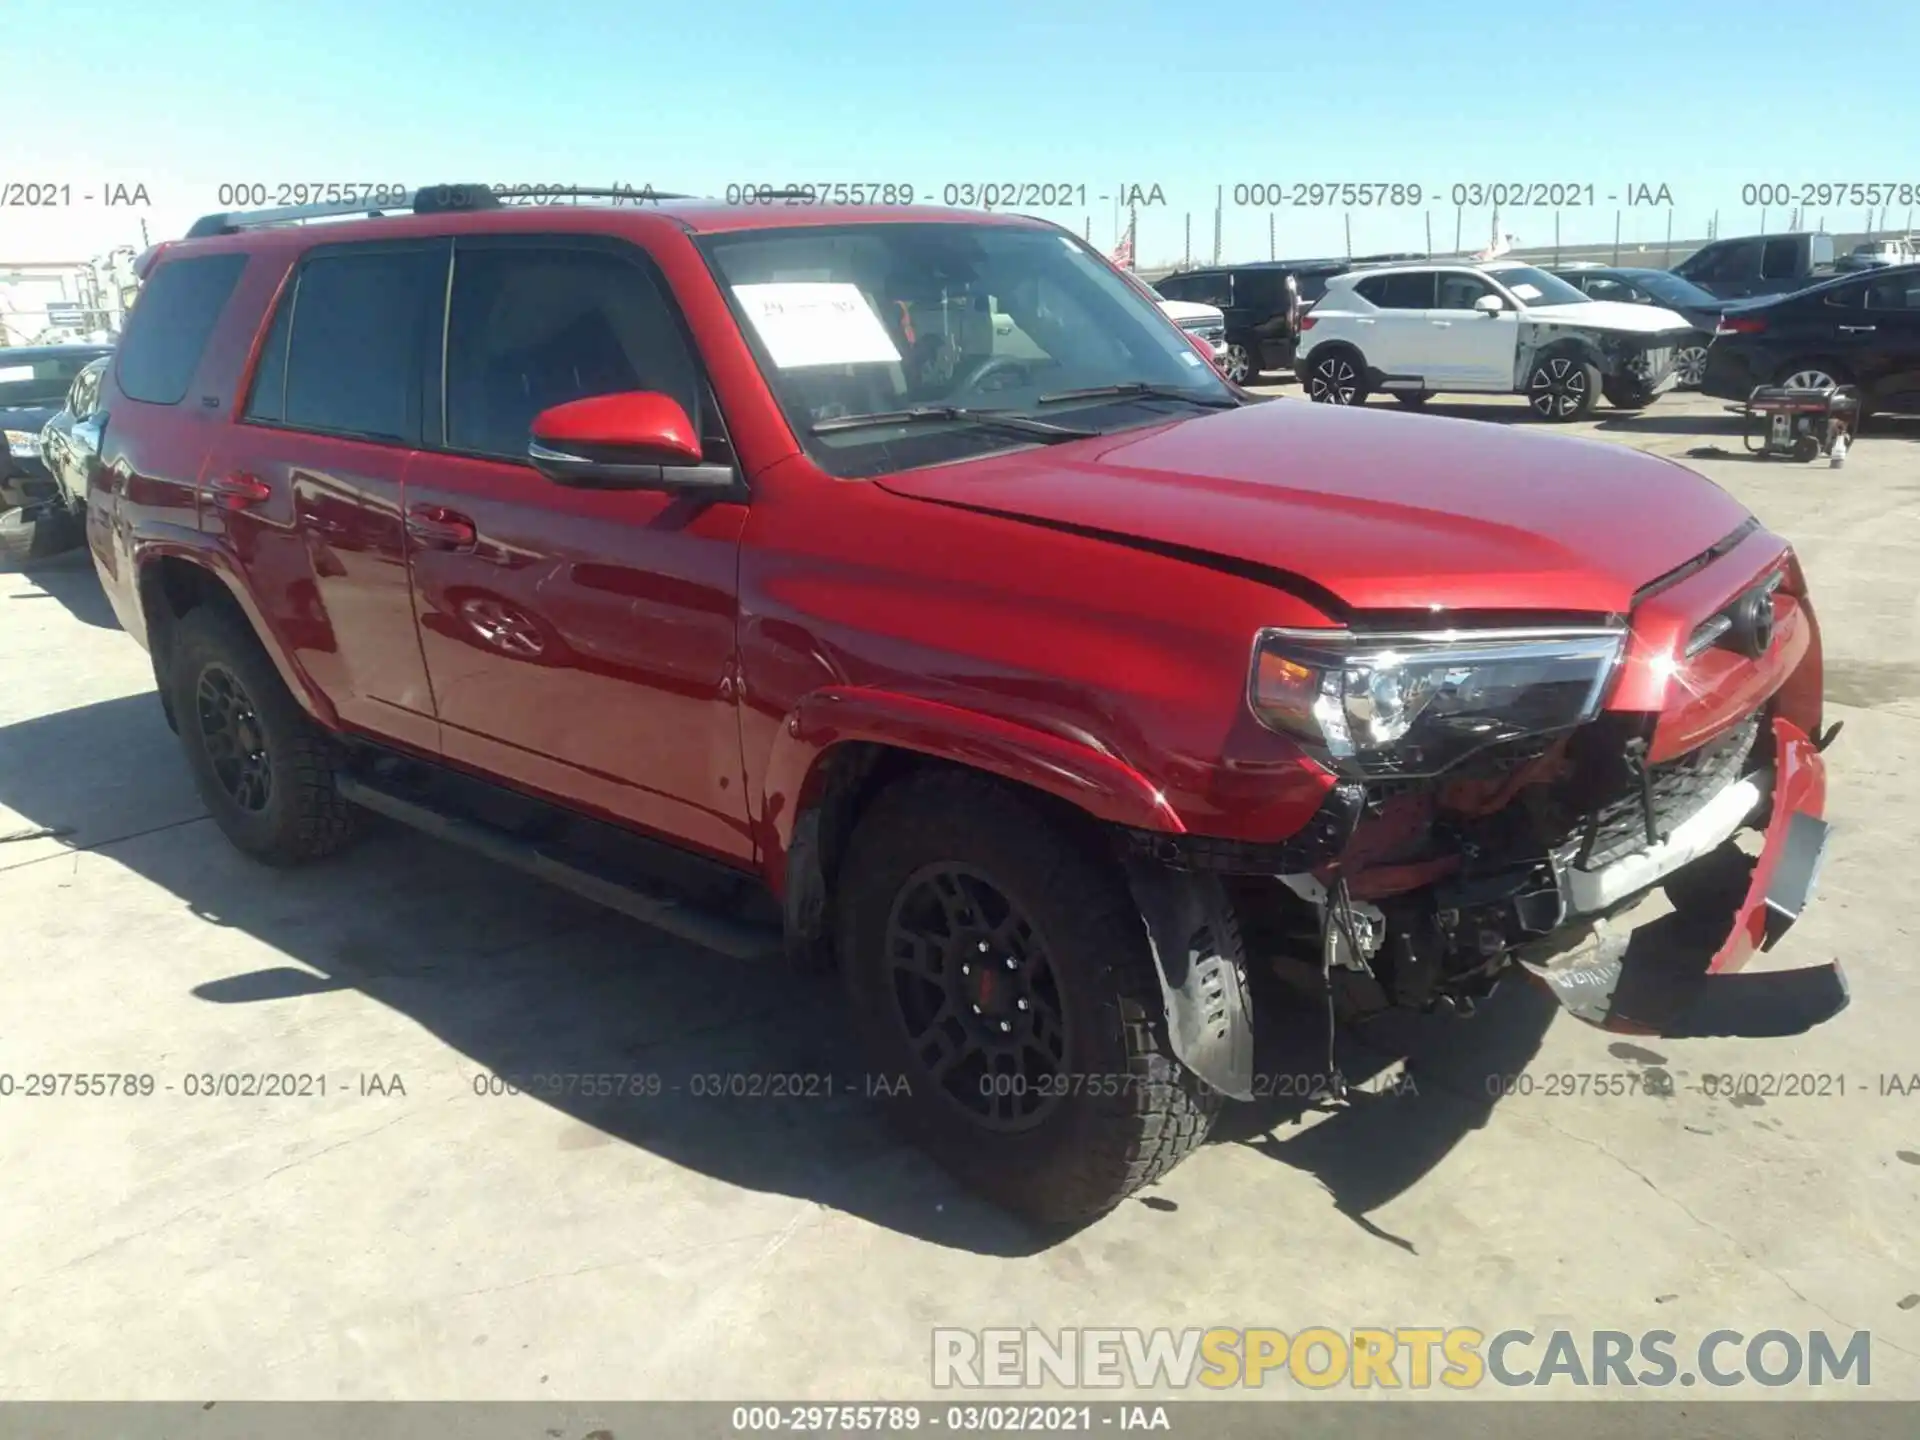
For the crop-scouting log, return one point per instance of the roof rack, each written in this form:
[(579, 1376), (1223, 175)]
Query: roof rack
[(427, 200)]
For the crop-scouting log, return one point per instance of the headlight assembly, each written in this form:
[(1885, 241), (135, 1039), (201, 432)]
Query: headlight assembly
[(23, 443), (1407, 705)]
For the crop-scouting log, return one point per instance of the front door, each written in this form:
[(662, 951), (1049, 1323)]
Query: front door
[(1475, 347), (580, 642)]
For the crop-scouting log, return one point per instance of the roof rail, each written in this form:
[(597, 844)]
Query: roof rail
[(427, 200)]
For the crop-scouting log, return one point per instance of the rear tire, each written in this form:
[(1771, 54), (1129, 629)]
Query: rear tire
[(1690, 365), (263, 768), (1562, 387), (1005, 973), (1241, 366), (1625, 394), (1336, 376), (1813, 374)]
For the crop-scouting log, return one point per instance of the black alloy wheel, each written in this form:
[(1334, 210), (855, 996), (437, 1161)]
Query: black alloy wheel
[(236, 745), (976, 997)]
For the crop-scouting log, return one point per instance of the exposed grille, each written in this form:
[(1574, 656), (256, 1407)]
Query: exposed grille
[(1680, 787)]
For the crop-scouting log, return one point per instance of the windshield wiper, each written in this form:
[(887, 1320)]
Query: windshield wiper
[(1147, 389), (994, 419)]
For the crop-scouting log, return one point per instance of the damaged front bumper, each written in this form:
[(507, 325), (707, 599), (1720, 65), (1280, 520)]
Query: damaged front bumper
[(1748, 903)]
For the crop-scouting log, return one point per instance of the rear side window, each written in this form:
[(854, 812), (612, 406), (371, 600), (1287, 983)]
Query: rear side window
[(1413, 291), (534, 327), (357, 352), (171, 320)]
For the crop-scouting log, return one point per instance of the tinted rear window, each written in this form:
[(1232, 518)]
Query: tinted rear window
[(171, 320), (354, 366), (1412, 291)]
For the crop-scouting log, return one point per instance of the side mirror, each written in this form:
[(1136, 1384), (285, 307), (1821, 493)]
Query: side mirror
[(634, 440), (1489, 304)]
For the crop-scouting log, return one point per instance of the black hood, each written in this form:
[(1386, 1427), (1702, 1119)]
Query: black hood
[(28, 417)]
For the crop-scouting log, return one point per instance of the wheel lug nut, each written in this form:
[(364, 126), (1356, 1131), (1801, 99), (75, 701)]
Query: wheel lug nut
[(1004, 1027), (1012, 964), (966, 969), (976, 1009), (983, 947), (1020, 1004)]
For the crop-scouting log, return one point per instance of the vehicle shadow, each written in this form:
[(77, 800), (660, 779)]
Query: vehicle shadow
[(525, 981), (69, 578)]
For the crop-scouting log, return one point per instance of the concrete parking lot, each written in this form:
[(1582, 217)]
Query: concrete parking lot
[(407, 1234)]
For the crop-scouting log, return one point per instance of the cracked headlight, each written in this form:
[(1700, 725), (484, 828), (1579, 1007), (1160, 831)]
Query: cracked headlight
[(1377, 706)]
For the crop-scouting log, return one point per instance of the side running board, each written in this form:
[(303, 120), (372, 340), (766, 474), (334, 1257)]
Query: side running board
[(584, 875)]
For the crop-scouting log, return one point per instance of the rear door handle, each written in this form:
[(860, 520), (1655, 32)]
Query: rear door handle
[(239, 490), (435, 527), (1442, 324), (1858, 329)]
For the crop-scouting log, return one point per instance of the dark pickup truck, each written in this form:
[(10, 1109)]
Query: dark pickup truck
[(1759, 265)]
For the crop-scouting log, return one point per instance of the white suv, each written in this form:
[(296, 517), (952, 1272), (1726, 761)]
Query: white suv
[(1500, 328)]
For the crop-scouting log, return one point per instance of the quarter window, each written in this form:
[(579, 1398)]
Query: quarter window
[(171, 322)]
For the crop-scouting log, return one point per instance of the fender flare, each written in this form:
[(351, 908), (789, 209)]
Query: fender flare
[(191, 546)]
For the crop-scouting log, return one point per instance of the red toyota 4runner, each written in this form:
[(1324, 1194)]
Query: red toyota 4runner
[(901, 591)]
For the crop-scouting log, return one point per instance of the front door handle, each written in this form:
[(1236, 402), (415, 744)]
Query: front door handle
[(1858, 329), (1442, 324), (435, 527)]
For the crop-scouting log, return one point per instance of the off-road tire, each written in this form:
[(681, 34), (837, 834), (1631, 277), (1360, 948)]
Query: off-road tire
[(51, 532), (1134, 1111), (1566, 385), (304, 817)]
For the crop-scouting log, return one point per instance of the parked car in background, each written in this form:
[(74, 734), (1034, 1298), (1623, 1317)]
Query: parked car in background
[(1861, 330), (1205, 322), (34, 384), (1501, 327), (1665, 289), (1892, 250), (70, 441), (1759, 264), (1262, 302), (1041, 696)]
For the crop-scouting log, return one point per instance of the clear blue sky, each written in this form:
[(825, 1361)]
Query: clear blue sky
[(1700, 97)]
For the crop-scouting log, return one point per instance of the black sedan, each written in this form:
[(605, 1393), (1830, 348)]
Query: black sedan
[(1861, 330), (1668, 291), (35, 382)]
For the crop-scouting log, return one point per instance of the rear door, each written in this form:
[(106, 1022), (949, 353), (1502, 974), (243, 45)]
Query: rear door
[(1475, 348), (581, 643), (1399, 339), (306, 486)]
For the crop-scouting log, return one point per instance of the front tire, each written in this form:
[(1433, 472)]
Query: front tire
[(1004, 972), (264, 770), (1562, 388), (1337, 377)]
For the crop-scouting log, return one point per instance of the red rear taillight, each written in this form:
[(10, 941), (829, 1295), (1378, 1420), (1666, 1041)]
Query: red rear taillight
[(1740, 325), (1307, 322)]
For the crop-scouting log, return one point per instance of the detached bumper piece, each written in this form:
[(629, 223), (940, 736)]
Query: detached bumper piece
[(1677, 976)]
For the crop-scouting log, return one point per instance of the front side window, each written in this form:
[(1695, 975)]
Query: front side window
[(531, 328), (1780, 260), (358, 344), (852, 323), (1899, 292), (1458, 292)]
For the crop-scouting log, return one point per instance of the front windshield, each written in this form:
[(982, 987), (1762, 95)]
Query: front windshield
[(855, 320), (1672, 290), (1536, 288)]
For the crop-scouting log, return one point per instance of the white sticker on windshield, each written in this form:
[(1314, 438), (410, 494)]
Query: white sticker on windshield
[(809, 322), (1526, 292), (1189, 358), (17, 372)]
